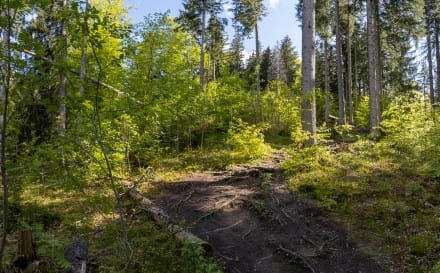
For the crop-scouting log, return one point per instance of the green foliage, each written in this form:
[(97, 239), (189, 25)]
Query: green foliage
[(308, 159), (362, 113), (155, 251), (280, 109), (247, 140), (196, 261), (436, 268), (49, 246), (344, 133), (421, 244), (411, 133)]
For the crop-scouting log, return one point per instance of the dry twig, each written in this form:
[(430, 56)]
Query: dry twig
[(298, 256)]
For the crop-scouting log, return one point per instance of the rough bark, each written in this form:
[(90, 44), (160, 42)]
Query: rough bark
[(76, 254), (257, 57), (82, 70), (437, 51), (430, 63), (25, 250), (373, 66), (5, 67), (202, 47), (340, 69), (162, 219), (349, 69), (63, 78), (308, 111), (326, 80)]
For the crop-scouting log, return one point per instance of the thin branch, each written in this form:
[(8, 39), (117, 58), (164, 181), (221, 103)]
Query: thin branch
[(298, 256), (216, 209), (225, 228), (118, 92)]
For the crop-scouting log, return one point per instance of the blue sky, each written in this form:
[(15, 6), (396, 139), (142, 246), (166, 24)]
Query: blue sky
[(279, 22)]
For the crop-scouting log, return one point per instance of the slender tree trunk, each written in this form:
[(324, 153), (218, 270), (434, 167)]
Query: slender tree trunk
[(430, 64), (202, 47), (349, 70), (82, 71), (308, 111), (341, 95), (373, 67), (257, 57), (5, 83), (326, 80), (437, 51), (63, 79)]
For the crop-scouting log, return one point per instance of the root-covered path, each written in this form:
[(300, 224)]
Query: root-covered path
[(254, 224)]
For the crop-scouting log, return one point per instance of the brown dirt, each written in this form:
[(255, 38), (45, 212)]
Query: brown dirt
[(254, 223)]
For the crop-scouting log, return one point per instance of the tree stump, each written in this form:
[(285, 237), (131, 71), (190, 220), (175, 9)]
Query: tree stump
[(25, 250), (76, 254)]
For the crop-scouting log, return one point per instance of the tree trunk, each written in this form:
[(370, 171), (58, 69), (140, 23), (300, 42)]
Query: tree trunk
[(373, 66), (202, 47), (25, 250), (437, 51), (349, 68), (162, 219), (308, 111), (63, 79), (430, 63), (257, 57), (341, 95), (326, 80), (5, 67), (82, 71)]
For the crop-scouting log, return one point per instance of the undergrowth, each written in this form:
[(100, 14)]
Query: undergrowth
[(387, 190)]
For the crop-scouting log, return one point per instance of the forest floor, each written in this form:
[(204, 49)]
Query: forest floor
[(255, 224)]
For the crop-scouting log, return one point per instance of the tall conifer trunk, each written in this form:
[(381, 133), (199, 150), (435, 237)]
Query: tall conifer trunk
[(5, 81), (437, 51), (373, 66), (429, 57), (63, 79), (257, 57), (341, 95), (349, 68), (82, 71), (308, 106), (202, 47), (326, 79)]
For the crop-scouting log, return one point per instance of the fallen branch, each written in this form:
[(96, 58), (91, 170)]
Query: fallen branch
[(298, 256), (225, 228), (287, 215), (164, 221), (181, 201), (217, 209)]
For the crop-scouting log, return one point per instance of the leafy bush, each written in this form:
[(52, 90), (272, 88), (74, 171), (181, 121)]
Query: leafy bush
[(362, 113), (247, 140), (412, 131)]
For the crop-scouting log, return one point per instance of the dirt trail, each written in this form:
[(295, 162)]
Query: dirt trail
[(255, 224)]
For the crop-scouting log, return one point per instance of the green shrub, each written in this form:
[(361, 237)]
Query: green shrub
[(362, 113), (247, 140)]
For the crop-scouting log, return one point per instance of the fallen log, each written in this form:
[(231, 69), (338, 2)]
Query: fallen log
[(162, 219)]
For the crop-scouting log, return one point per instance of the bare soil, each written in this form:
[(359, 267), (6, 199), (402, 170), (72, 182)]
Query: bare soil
[(254, 223)]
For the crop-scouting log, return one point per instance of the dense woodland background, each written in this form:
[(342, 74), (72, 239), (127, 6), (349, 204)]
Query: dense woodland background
[(93, 105)]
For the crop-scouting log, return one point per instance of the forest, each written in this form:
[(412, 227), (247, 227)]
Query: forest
[(160, 147)]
